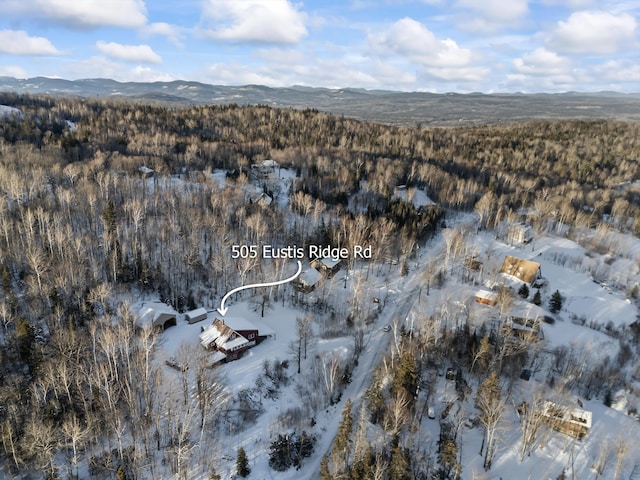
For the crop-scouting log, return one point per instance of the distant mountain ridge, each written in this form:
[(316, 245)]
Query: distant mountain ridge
[(391, 107)]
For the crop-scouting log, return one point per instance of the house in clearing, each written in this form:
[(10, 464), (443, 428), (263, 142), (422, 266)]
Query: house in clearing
[(224, 339), (522, 270), (156, 315), (519, 233), (231, 338), (486, 297), (326, 266), (574, 422), (196, 315), (308, 281)]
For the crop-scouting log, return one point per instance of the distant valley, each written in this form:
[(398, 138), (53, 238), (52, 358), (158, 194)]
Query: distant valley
[(389, 107)]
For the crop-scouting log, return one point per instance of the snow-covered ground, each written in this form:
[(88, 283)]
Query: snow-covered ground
[(567, 267)]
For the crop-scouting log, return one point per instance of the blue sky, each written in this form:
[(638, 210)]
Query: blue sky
[(419, 45)]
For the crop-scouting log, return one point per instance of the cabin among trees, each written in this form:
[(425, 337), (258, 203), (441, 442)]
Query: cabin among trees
[(574, 422)]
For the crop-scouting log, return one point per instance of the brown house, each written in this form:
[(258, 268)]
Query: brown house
[(523, 270), (486, 297)]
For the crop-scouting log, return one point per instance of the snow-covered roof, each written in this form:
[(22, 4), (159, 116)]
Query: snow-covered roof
[(261, 197), (224, 337), (330, 262), (310, 277), (575, 416), (269, 163), (197, 312), (486, 294), (522, 270), (145, 170), (154, 315), (241, 323)]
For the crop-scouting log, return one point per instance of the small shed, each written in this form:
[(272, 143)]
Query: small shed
[(196, 315), (486, 297)]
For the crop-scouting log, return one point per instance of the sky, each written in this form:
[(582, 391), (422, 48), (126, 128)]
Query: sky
[(408, 45)]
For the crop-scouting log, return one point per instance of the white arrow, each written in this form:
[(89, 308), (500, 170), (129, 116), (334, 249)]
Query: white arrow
[(223, 310)]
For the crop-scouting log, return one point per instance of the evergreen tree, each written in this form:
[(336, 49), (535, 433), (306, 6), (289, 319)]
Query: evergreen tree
[(399, 468), (406, 376), (324, 469), (448, 452), (555, 303), (242, 463), (342, 442), (537, 300), (375, 399), (524, 291), (280, 453)]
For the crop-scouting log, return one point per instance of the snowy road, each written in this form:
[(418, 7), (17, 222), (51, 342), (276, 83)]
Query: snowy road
[(377, 347)]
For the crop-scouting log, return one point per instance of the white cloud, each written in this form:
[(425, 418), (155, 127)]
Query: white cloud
[(234, 74), (573, 4), (18, 42), (619, 72), (80, 13), (170, 32), (542, 62), (412, 40), (489, 16), (497, 10), (271, 21), (129, 53), (146, 74), (594, 33), (13, 71)]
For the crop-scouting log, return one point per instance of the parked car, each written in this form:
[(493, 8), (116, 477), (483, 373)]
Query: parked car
[(386, 328)]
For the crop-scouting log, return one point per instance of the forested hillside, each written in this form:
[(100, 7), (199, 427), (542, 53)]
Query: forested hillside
[(80, 226)]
